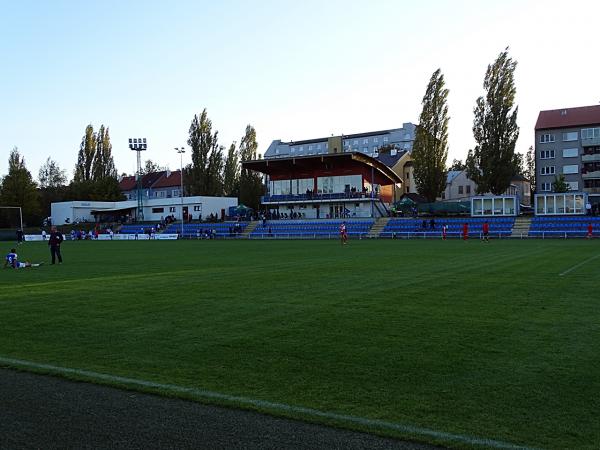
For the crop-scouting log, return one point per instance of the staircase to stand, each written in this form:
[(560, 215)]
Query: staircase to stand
[(521, 227), (378, 227), (249, 229)]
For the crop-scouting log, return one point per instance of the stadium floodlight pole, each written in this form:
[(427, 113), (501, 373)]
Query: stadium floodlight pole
[(181, 151), (139, 145)]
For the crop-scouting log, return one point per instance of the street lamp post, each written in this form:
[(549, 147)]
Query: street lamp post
[(181, 151)]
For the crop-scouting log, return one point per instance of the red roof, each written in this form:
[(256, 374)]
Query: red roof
[(163, 179), (568, 117), (168, 179), (127, 183)]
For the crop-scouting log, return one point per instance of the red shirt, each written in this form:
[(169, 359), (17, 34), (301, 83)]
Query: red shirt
[(590, 229), (486, 227)]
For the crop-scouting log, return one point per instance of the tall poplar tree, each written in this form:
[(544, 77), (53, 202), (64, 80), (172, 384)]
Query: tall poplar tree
[(202, 142), (492, 163), (251, 187), (85, 157), (103, 165), (231, 173), (430, 149)]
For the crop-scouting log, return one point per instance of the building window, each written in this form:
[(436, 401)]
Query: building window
[(570, 152), (310, 147), (365, 141), (326, 145), (300, 149), (548, 170), (546, 138), (468, 188), (573, 185), (385, 139), (171, 209), (460, 190), (293, 149), (573, 168), (546, 187), (375, 139), (158, 210), (355, 141), (590, 133), (375, 149), (365, 149), (547, 154), (570, 136), (318, 146), (198, 208)]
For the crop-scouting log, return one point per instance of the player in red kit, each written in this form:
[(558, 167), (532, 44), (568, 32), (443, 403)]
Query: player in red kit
[(343, 233), (486, 231), (444, 231), (465, 232), (590, 231)]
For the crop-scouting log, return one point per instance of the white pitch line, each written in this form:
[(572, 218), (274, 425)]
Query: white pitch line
[(272, 406), (578, 265)]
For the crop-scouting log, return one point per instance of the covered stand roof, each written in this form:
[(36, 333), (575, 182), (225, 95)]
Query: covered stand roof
[(330, 162)]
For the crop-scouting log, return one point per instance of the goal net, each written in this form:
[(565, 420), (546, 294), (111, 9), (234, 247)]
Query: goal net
[(11, 220)]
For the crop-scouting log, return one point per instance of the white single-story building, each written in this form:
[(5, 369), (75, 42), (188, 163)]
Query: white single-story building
[(154, 209)]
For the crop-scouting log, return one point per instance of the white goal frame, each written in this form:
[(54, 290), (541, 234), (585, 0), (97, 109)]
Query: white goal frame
[(20, 213)]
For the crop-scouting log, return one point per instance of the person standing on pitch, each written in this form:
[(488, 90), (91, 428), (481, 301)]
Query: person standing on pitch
[(465, 232), (486, 231), (54, 242), (343, 234)]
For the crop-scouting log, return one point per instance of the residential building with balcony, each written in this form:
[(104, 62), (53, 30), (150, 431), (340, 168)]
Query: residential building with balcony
[(155, 185), (567, 142)]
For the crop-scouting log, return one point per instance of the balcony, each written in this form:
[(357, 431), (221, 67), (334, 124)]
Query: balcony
[(591, 175), (349, 196), (595, 190), (590, 158), (590, 142)]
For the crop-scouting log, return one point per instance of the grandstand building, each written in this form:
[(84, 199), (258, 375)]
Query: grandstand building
[(329, 185), (154, 209), (567, 142), (357, 175)]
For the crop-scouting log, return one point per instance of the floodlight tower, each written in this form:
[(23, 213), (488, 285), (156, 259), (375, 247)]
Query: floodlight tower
[(139, 145)]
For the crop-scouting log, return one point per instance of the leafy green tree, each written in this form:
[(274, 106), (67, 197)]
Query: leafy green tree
[(152, 167), (202, 142), (493, 163), (51, 176), (52, 181), (457, 164), (251, 187), (103, 165), (19, 189), (85, 158), (214, 172), (530, 167), (430, 149), (559, 184), (231, 172)]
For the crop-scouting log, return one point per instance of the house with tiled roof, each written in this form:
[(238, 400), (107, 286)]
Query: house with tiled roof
[(163, 184)]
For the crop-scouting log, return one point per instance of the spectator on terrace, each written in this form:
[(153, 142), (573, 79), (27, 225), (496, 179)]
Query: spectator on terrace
[(424, 224)]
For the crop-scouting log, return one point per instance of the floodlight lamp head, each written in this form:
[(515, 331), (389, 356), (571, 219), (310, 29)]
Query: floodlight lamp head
[(138, 144)]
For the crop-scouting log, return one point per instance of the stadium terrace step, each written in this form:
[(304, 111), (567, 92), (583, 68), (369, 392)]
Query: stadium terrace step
[(249, 229), (378, 227), (521, 227)]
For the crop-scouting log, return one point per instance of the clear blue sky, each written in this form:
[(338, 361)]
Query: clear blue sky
[(294, 70)]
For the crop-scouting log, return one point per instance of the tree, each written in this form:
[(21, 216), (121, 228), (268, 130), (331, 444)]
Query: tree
[(530, 167), (251, 187), (231, 172), (85, 158), (103, 165), (430, 149), (203, 142), (52, 181), (560, 185), (19, 189), (492, 163), (457, 164), (51, 176), (152, 167)]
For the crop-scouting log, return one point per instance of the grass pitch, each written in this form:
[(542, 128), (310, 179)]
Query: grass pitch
[(498, 341)]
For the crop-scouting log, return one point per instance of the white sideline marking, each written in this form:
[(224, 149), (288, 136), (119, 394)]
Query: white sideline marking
[(578, 265), (204, 394)]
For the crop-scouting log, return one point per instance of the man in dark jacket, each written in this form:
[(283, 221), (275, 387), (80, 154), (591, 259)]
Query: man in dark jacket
[(54, 242)]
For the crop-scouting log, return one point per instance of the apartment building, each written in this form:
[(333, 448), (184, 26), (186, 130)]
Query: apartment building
[(567, 142)]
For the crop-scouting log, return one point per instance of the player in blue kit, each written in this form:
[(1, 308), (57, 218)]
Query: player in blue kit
[(12, 261)]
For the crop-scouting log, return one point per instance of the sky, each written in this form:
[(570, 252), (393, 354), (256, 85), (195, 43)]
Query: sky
[(293, 70)]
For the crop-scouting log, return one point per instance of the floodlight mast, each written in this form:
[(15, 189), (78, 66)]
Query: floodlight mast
[(139, 145), (181, 151)]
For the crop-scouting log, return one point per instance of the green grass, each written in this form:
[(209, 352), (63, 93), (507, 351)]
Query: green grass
[(467, 338)]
